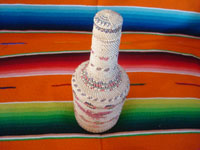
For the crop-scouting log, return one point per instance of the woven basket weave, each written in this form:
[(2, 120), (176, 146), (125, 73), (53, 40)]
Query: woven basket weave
[(100, 85)]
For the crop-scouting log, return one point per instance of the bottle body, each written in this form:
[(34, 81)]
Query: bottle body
[(98, 109)]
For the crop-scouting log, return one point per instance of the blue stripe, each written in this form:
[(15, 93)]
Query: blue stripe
[(80, 18), (12, 43), (7, 87)]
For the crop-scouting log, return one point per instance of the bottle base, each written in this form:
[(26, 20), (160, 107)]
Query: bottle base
[(94, 128)]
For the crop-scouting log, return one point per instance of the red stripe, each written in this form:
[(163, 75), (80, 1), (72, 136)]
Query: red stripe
[(131, 61)]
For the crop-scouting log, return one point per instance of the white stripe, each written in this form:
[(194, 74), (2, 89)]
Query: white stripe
[(45, 31), (154, 70), (153, 132), (11, 75), (88, 51), (118, 134), (37, 102), (42, 53), (164, 98)]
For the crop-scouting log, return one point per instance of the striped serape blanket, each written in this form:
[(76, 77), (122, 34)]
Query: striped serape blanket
[(43, 41)]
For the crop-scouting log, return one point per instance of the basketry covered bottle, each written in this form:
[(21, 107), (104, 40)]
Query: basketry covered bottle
[(100, 85)]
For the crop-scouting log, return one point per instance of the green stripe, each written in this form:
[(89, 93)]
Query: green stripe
[(129, 104), (137, 115), (32, 107), (158, 50), (161, 103)]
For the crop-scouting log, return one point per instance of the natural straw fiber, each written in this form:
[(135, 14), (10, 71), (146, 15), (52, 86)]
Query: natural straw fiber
[(100, 85)]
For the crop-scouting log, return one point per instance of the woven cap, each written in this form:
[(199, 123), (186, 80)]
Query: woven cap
[(107, 25), (108, 19)]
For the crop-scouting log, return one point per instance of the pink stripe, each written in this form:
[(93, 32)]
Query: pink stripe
[(91, 114)]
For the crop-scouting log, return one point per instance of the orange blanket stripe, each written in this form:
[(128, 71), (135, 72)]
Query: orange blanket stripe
[(49, 88), (46, 42)]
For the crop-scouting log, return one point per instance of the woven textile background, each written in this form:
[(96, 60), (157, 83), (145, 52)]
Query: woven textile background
[(43, 41)]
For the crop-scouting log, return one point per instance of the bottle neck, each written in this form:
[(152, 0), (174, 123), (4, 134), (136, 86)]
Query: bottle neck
[(103, 63)]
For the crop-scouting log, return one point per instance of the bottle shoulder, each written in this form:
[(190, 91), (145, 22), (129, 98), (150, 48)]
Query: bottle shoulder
[(106, 96)]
